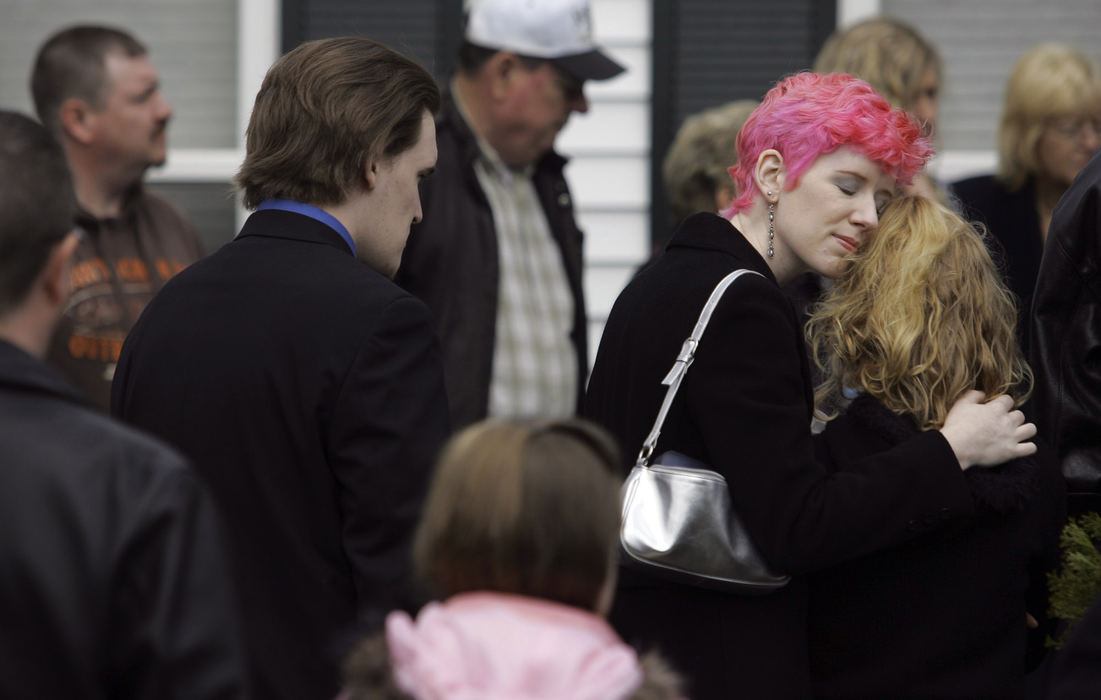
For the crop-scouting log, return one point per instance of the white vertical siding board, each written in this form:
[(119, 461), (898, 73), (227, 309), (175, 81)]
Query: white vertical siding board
[(852, 11), (609, 170), (603, 285), (615, 237), (621, 21), (612, 128), (622, 182)]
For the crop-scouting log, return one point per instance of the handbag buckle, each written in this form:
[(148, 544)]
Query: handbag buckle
[(688, 351)]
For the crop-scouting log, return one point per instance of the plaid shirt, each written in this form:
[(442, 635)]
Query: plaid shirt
[(534, 363)]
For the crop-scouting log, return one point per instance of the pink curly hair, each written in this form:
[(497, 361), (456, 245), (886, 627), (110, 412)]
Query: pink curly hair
[(808, 114)]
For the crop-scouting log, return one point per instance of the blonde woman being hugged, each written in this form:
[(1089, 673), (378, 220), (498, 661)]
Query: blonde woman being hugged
[(919, 320)]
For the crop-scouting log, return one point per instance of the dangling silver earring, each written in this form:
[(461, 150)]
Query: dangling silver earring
[(771, 229)]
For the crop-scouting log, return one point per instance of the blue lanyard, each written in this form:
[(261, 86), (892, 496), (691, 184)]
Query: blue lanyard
[(314, 213)]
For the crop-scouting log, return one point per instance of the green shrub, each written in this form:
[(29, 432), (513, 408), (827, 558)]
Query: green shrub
[(1077, 583)]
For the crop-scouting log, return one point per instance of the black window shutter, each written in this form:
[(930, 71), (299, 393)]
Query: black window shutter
[(425, 30), (707, 52)]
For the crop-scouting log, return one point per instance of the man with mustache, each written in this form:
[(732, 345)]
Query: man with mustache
[(113, 579), (97, 91)]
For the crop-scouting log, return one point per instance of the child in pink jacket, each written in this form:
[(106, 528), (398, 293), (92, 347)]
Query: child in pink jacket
[(519, 537)]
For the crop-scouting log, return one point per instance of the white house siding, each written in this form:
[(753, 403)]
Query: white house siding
[(980, 40), (609, 150)]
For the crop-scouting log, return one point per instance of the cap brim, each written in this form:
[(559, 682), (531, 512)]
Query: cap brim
[(592, 65)]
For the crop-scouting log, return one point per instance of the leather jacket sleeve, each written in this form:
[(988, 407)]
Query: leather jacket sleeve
[(172, 602), (1066, 333)]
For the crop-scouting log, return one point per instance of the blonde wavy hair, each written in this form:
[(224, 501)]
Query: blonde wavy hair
[(1050, 81), (887, 53), (919, 318)]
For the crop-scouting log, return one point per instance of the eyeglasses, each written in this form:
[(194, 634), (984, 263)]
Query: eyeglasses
[(571, 87), (1074, 128)]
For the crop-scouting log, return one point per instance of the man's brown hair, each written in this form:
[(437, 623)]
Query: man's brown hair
[(530, 508), (71, 64), (323, 111)]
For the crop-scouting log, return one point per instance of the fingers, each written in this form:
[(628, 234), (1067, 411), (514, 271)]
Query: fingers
[(1025, 431), (1024, 449), (973, 396), (1017, 418), (1002, 401), (1021, 433)]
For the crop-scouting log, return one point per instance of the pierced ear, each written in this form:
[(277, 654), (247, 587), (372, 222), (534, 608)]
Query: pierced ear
[(76, 119), (769, 173), (55, 275)]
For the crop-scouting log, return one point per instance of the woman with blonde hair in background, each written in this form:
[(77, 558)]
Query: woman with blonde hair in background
[(900, 64), (918, 320), (1050, 127), (518, 538)]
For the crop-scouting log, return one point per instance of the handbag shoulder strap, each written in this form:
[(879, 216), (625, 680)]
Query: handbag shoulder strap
[(684, 359)]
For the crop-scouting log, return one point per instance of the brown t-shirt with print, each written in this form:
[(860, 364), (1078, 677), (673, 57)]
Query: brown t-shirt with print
[(118, 267)]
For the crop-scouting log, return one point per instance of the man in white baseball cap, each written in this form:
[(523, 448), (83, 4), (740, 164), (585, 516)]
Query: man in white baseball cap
[(498, 255), (560, 30)]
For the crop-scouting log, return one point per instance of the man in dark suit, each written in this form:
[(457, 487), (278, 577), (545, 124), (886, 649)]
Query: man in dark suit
[(112, 577), (305, 385)]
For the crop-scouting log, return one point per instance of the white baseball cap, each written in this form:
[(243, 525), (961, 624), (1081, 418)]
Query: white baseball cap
[(557, 30)]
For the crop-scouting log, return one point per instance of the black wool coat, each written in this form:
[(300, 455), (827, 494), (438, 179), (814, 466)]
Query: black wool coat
[(307, 389), (745, 409), (942, 615)]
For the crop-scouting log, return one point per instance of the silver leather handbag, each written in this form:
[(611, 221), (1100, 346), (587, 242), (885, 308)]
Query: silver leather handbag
[(678, 521)]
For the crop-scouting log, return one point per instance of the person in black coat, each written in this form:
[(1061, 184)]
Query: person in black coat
[(816, 161), (112, 576), (918, 320), (498, 257), (1050, 127), (304, 384), (1066, 345)]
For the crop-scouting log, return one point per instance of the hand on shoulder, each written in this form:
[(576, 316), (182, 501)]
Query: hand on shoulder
[(987, 433)]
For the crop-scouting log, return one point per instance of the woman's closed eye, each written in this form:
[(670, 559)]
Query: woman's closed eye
[(849, 188)]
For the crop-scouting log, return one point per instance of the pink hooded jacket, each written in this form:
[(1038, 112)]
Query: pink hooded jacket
[(494, 646)]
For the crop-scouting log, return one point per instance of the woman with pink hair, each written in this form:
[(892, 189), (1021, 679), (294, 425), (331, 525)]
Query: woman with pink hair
[(817, 162)]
